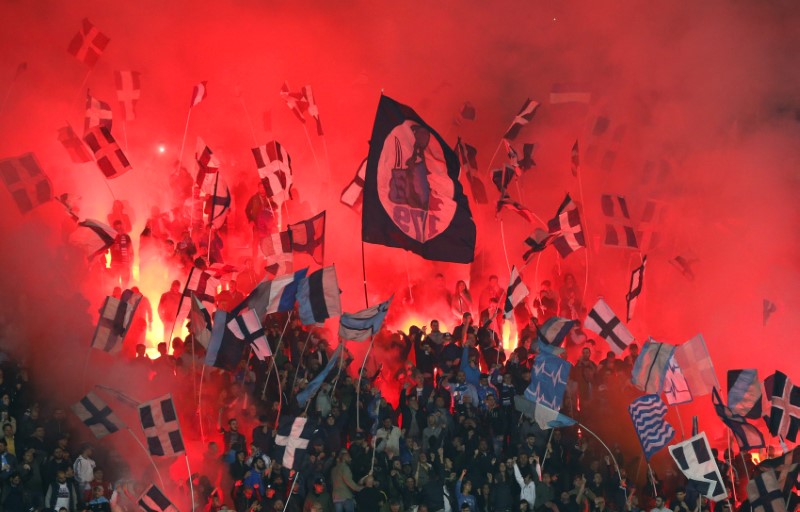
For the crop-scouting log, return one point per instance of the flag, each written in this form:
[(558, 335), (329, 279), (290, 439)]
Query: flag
[(153, 500), (218, 203), (313, 110), (296, 102), (93, 237), (619, 229), (695, 426), (200, 322), (554, 331), (28, 185), (199, 93), (684, 266), (605, 140), (676, 389), (467, 113), (351, 195), (224, 349), (207, 166), (513, 157), (544, 416), (291, 441), (246, 326), (575, 159), (116, 316), (308, 237), (110, 158), (569, 93), (527, 162), (74, 145), (605, 323), (202, 285), (651, 223), (695, 362), (70, 204), (315, 383), (549, 378), (318, 296), (273, 296), (362, 325), (506, 202), (88, 44), (516, 293), (98, 113), (635, 288), (275, 170), (650, 368), (784, 416), (97, 415), (767, 310), (565, 229), (160, 425), (694, 459), (128, 91), (467, 155), (647, 413), (764, 494), (502, 178), (536, 242), (747, 436), (277, 251), (786, 468), (412, 197), (219, 270), (524, 117), (744, 393)]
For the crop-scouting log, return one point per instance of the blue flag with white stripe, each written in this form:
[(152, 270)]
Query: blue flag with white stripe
[(316, 382), (647, 413), (548, 380)]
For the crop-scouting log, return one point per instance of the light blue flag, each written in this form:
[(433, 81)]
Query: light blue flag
[(362, 325), (548, 380), (554, 330), (317, 381)]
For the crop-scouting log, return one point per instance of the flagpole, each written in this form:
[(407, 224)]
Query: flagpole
[(505, 251), (358, 388), (652, 480), (730, 465), (149, 456), (616, 466), (341, 365), (546, 451), (680, 421), (364, 273), (277, 372), (191, 484), (300, 362), (291, 491), (408, 276), (586, 237)]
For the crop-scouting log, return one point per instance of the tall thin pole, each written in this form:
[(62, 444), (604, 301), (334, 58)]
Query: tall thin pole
[(358, 387), (148, 456)]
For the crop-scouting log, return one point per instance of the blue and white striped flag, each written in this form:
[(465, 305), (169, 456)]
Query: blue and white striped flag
[(647, 413), (554, 330)]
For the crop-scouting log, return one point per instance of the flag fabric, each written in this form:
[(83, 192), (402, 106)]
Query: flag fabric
[(116, 316), (351, 195), (569, 93), (277, 251), (696, 365), (695, 460), (650, 368), (318, 296), (161, 428), (549, 378), (565, 229), (536, 242), (786, 468), (502, 178), (768, 308), (217, 203), (110, 158), (74, 145), (98, 113), (219, 270), (575, 159), (308, 237), (651, 223), (413, 199), (467, 112), (313, 110), (224, 349), (88, 44), (273, 296), (207, 166), (202, 285), (544, 416), (647, 413), (744, 393), (247, 326), (467, 155), (605, 138), (784, 416), (296, 102), (199, 93), (291, 441), (605, 323), (28, 185), (516, 292), (154, 500), (619, 229), (684, 266), (315, 383), (93, 237), (70, 203), (635, 288), (506, 202), (747, 436), (97, 415), (764, 494), (128, 91), (526, 162), (676, 389), (554, 331), (513, 156), (200, 322), (275, 170), (364, 324), (522, 118)]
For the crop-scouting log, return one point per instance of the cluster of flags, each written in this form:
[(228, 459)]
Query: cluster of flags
[(304, 237), (564, 232)]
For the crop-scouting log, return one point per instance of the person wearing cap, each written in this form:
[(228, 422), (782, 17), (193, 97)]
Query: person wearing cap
[(319, 496), (343, 484)]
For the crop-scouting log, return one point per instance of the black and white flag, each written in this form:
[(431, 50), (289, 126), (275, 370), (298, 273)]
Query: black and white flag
[(516, 293), (153, 500), (116, 316), (291, 441), (764, 493), (784, 416), (695, 460), (635, 289), (524, 117), (97, 415), (604, 322), (161, 428), (246, 326), (619, 228)]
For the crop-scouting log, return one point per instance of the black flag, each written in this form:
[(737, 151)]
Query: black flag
[(412, 197)]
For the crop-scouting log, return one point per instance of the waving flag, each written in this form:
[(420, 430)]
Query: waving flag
[(128, 91), (98, 113), (160, 425), (296, 102), (202, 285), (605, 140), (200, 322), (575, 159), (747, 436), (467, 156), (605, 323), (277, 251), (110, 159), (569, 93), (764, 494), (635, 289), (544, 416), (744, 393), (316, 382), (97, 415), (524, 117), (88, 44), (74, 145), (291, 441), (308, 237), (115, 319), (207, 166), (647, 413), (786, 468), (351, 195), (554, 330), (217, 203), (548, 380), (696, 365), (784, 416), (363, 325), (565, 229), (619, 229), (412, 197), (694, 459), (313, 110), (93, 237), (199, 93), (28, 185), (516, 293), (246, 326), (275, 170), (225, 350), (318, 296), (650, 368), (506, 202), (154, 500), (768, 308), (273, 296), (537, 242), (676, 389)]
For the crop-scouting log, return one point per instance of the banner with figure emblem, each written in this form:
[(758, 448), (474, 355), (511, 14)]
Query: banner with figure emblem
[(412, 197)]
